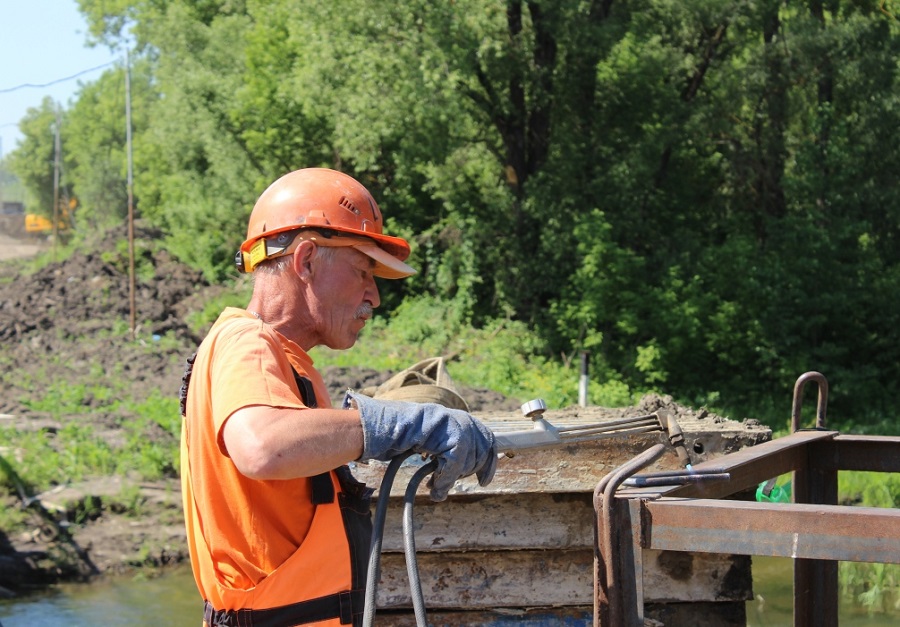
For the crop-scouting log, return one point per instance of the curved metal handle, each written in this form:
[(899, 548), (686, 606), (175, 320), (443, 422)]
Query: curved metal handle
[(819, 378)]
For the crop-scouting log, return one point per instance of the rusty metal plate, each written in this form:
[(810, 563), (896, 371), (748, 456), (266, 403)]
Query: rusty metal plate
[(503, 617), (522, 579)]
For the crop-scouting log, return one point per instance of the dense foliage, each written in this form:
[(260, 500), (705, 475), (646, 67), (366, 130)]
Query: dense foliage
[(702, 193)]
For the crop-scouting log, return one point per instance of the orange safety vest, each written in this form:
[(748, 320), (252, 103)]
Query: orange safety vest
[(332, 595), (322, 582)]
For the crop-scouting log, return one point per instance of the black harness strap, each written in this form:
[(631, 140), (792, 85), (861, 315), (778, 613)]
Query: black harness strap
[(341, 605), (322, 488), (356, 513)]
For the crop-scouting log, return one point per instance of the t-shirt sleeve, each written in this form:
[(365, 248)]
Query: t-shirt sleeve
[(249, 367)]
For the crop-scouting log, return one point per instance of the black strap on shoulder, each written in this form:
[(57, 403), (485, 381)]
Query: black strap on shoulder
[(322, 488), (307, 393), (341, 605)]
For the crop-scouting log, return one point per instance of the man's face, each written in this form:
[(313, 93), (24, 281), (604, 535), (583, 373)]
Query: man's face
[(346, 294)]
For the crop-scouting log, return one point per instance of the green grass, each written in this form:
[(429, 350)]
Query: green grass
[(236, 294), (43, 459), (146, 446), (34, 461), (873, 586)]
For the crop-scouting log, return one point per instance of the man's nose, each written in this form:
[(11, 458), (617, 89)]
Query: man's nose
[(372, 293)]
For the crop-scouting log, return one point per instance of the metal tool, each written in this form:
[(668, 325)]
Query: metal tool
[(543, 434)]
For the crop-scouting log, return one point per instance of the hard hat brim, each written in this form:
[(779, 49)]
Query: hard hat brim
[(386, 265)]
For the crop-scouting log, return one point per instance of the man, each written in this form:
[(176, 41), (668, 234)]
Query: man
[(278, 530)]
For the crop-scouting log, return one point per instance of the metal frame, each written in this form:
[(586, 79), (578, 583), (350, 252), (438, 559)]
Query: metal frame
[(813, 530)]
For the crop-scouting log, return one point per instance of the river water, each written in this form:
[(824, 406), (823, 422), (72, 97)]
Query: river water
[(172, 600)]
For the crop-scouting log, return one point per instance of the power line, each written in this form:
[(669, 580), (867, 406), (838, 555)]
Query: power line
[(59, 80)]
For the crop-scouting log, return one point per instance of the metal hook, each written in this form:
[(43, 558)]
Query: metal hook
[(798, 399)]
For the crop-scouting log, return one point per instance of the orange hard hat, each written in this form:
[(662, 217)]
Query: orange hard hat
[(332, 203)]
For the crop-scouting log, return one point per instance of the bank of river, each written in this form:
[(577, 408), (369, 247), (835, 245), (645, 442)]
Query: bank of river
[(172, 600)]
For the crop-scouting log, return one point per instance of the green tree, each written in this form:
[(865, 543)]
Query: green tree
[(701, 192), (96, 143), (35, 161)]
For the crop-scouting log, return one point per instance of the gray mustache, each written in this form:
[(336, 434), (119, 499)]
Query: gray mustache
[(364, 311)]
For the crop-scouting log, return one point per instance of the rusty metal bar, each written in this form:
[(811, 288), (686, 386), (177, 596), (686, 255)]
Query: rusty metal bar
[(751, 466), (636, 556), (816, 580), (674, 478), (860, 452), (616, 592), (819, 532), (814, 530), (821, 406), (815, 592)]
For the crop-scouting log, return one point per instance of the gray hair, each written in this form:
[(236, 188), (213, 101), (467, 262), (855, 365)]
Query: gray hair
[(272, 267)]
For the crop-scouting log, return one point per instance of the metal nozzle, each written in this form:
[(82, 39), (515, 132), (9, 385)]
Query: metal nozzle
[(676, 437), (534, 409)]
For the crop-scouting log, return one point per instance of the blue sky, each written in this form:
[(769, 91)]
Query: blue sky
[(42, 41)]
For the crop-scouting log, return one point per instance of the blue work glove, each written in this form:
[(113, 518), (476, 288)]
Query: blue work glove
[(460, 443)]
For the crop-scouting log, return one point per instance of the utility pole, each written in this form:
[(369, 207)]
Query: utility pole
[(56, 166), (583, 380), (131, 285)]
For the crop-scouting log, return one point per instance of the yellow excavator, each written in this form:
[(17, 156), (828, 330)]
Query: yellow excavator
[(37, 224)]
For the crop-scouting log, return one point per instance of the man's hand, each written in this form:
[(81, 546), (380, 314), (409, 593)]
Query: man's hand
[(461, 444)]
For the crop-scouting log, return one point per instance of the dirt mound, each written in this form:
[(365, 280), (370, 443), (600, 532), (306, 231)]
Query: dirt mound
[(67, 325), (341, 378), (90, 292)]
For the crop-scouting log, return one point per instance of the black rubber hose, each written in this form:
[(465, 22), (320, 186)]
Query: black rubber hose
[(374, 570), (409, 542)]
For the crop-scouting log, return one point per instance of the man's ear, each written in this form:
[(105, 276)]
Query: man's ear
[(303, 258)]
